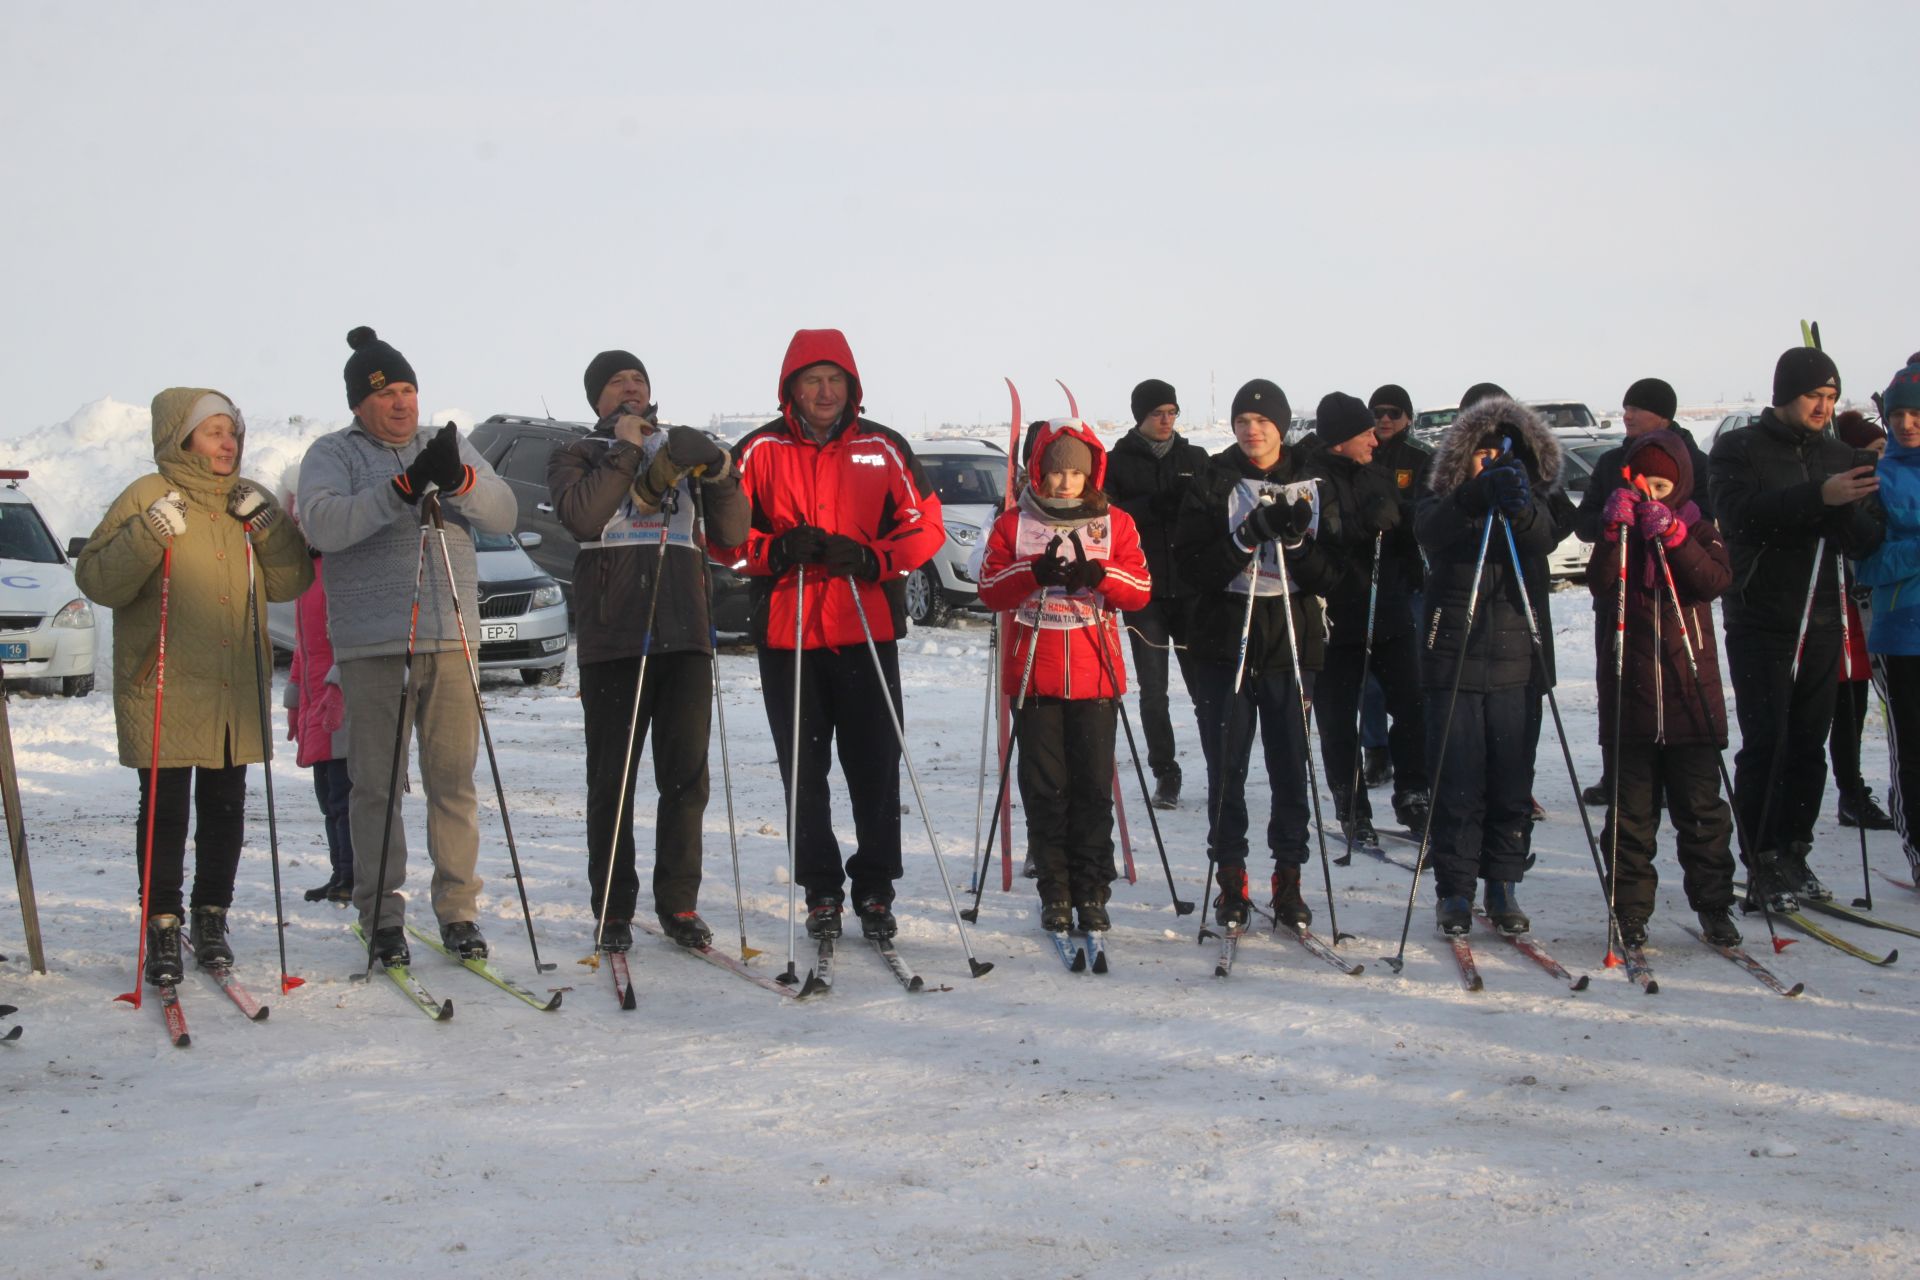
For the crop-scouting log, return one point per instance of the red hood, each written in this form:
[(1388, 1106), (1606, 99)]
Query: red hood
[(1053, 430), (819, 346)]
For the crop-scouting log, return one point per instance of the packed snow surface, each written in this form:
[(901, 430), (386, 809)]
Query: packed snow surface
[(1289, 1121)]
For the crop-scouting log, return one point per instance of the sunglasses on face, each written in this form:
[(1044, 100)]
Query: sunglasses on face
[(1389, 415)]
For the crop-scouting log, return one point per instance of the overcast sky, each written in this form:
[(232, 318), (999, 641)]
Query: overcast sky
[(1561, 200)]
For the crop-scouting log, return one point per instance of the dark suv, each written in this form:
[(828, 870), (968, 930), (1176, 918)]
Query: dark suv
[(518, 449)]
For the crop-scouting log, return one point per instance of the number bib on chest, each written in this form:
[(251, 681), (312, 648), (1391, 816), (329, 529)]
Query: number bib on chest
[(1057, 610), (1246, 495)]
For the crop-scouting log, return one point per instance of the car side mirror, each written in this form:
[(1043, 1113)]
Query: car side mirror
[(74, 547), (529, 539), (1606, 424)]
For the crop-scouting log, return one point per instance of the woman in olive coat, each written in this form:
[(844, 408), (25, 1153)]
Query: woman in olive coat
[(198, 506)]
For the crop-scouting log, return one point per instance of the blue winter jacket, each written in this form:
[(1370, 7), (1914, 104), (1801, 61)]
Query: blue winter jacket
[(1893, 571)]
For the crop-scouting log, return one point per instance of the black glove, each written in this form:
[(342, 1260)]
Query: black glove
[(694, 450), (1508, 486), (441, 461), (413, 482), (1085, 575), (802, 544), (1381, 513), (851, 556), (1051, 569), (1299, 519), (1264, 523)]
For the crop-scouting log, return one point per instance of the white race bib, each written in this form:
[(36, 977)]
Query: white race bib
[(1057, 610), (1247, 495)]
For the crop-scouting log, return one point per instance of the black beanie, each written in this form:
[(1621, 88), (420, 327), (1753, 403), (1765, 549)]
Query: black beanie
[(600, 371), (1340, 418), (1264, 398), (1150, 395), (1392, 395), (1801, 370), (1482, 391), (374, 364), (1653, 395)]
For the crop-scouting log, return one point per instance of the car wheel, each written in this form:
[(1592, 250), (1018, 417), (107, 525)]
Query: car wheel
[(926, 605), (76, 686), (542, 675)]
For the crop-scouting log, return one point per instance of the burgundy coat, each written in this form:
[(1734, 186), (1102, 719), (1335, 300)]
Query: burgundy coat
[(1661, 701)]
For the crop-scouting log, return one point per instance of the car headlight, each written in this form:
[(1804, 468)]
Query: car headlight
[(75, 613), (548, 596), (964, 534)]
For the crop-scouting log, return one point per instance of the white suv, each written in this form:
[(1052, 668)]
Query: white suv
[(970, 478), (46, 625)]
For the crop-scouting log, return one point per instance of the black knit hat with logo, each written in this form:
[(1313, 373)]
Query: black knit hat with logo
[(1264, 398), (373, 365)]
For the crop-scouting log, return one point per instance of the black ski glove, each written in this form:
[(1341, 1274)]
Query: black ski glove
[(1509, 488), (443, 466), (1382, 513), (802, 544), (1264, 523), (1085, 575), (694, 451), (850, 556), (1051, 569), (1299, 519), (413, 482)]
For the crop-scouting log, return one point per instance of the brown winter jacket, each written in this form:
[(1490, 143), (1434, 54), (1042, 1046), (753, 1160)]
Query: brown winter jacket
[(1662, 703), (210, 701)]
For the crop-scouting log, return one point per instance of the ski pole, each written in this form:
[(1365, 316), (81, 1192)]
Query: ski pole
[(986, 718), (1306, 745), (1859, 713), (1397, 961), (1006, 759), (720, 715), (1706, 713), (1763, 859), (1621, 536), (262, 681), (398, 771), (1559, 726), (621, 816), (1360, 711), (1218, 793), (1181, 907), (17, 843), (792, 975), (432, 502), (153, 779), (979, 968)]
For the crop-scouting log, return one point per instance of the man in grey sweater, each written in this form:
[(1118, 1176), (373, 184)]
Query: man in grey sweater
[(360, 489)]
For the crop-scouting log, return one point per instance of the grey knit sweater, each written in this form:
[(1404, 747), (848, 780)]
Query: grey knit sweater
[(351, 512)]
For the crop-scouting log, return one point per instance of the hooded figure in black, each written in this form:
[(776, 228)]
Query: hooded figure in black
[(1491, 474), (1241, 529)]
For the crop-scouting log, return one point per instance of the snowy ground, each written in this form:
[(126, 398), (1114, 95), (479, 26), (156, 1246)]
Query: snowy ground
[(1154, 1122)]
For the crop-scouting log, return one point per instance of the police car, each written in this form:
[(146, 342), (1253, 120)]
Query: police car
[(46, 625)]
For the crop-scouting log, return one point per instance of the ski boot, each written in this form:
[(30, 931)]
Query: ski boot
[(1799, 876), (616, 935), (1597, 795), (1454, 916), (1410, 810), (1056, 917), (1289, 907), (1359, 831), (1377, 769), (321, 893), (1633, 929), (163, 951), (1234, 906), (1768, 887), (340, 890), (876, 917), (1029, 869), (1717, 927), (823, 916), (462, 937), (687, 929), (390, 946), (208, 930), (1094, 917), (1503, 908), (1166, 790), (1859, 809)]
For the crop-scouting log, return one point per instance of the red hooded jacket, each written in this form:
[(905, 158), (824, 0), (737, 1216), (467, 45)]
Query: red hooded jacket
[(1072, 631), (864, 482)]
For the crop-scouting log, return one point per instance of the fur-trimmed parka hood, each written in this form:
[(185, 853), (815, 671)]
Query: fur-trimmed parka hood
[(1533, 444)]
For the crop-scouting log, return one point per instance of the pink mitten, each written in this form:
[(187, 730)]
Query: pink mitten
[(1620, 505), (1653, 519)]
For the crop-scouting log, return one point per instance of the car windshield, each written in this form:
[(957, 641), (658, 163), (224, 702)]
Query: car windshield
[(23, 536), (980, 481), (1581, 462), (493, 541), (1561, 417)]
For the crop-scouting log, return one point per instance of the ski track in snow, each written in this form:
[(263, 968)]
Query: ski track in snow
[(1154, 1122)]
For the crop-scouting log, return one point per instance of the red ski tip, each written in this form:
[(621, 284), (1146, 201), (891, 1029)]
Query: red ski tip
[(288, 982), (1612, 961)]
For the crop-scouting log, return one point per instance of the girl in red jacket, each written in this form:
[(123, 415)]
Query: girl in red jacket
[(1064, 561)]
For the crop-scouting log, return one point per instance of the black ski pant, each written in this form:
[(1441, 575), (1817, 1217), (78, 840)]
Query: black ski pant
[(218, 798), (840, 706), (1482, 803), (1849, 723), (1148, 631), (1688, 776), (1336, 705), (1899, 678), (675, 706), (1066, 790), (1272, 701), (1760, 663), (333, 788)]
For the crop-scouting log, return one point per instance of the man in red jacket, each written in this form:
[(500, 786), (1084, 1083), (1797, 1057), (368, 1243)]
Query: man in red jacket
[(843, 501)]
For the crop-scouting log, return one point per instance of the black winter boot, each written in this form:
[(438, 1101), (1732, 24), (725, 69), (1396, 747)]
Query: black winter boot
[(1633, 929), (1410, 809), (209, 937), (1233, 907), (1799, 876), (1859, 809), (1377, 767), (462, 937), (1166, 790), (687, 929), (823, 916), (1093, 917), (390, 946), (1503, 907), (876, 917), (1454, 916), (163, 951), (1717, 927), (1289, 907), (616, 935), (1056, 917)]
